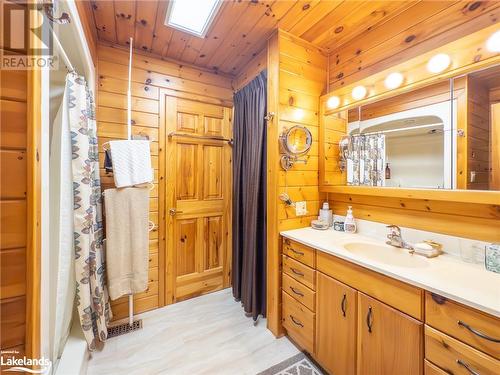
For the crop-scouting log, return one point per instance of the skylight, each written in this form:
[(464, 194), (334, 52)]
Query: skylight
[(192, 16)]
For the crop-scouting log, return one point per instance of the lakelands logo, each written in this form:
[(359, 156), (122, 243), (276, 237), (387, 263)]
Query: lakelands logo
[(23, 22), (11, 362)]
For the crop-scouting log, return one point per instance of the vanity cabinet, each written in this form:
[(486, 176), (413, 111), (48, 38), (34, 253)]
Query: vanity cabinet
[(389, 342), (336, 321), (355, 321)]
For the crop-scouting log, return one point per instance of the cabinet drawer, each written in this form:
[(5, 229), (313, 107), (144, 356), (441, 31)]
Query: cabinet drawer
[(300, 272), (297, 251), (402, 296), (299, 291), (431, 369), (456, 357), (464, 323), (299, 322)]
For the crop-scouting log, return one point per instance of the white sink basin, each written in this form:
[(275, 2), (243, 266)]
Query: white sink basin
[(386, 254)]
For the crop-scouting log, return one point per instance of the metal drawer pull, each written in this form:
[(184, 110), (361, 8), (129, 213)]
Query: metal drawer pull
[(296, 322), (467, 367), (477, 333), (296, 292), (296, 272), (297, 252), (343, 305), (369, 319)]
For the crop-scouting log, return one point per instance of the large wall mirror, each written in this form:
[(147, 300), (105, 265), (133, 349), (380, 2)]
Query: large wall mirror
[(442, 136)]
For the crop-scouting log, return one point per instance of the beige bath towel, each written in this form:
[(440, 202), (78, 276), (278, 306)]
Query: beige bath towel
[(127, 240)]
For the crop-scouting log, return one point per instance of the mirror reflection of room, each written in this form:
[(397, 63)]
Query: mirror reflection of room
[(425, 140), (400, 135)]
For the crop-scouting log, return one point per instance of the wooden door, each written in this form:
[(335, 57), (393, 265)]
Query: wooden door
[(335, 326), (198, 198), (389, 341)]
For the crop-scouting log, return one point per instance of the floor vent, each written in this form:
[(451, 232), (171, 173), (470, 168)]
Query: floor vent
[(124, 328)]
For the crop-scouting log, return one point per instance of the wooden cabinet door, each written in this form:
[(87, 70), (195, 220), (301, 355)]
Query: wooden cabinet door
[(389, 342), (335, 326), (198, 198)]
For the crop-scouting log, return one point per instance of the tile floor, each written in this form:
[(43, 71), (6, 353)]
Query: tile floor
[(204, 335)]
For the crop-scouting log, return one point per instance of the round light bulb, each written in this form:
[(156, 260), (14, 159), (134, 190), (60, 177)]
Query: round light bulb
[(493, 42), (393, 80), (333, 102), (359, 92), (438, 63)]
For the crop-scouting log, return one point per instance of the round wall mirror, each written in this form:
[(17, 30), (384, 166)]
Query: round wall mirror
[(295, 142)]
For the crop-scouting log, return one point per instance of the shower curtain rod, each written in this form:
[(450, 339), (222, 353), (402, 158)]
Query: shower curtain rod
[(65, 57)]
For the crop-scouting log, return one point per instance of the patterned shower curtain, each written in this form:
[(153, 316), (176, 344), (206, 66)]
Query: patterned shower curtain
[(366, 160), (91, 299), (372, 160)]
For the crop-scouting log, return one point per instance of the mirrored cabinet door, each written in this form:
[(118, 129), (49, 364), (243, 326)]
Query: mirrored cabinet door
[(478, 126), (442, 136)]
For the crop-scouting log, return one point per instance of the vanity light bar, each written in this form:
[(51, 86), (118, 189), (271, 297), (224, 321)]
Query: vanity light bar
[(436, 64)]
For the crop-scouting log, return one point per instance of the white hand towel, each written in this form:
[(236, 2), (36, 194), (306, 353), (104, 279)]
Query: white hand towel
[(131, 162)]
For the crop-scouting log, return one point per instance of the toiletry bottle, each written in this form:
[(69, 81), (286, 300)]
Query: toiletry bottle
[(326, 214), (387, 172), (350, 223)]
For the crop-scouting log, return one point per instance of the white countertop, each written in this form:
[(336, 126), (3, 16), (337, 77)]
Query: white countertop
[(445, 275)]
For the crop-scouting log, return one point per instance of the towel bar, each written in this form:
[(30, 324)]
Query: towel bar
[(201, 137)]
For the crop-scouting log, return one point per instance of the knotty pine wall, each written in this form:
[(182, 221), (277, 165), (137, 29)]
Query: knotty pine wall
[(151, 78), (296, 80), (407, 35), (251, 70)]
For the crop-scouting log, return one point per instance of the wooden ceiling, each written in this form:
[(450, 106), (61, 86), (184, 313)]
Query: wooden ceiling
[(241, 28)]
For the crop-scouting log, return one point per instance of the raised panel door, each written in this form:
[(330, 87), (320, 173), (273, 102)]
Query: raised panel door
[(198, 198)]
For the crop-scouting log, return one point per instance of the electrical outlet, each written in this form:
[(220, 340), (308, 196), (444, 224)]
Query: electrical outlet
[(300, 208)]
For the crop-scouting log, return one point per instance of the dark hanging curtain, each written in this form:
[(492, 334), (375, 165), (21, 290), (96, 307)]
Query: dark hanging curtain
[(249, 197)]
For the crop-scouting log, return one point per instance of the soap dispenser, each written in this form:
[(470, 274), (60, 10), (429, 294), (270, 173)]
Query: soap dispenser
[(350, 223)]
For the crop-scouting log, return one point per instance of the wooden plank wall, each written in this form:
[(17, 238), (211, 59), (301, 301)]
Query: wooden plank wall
[(13, 209), (151, 78), (407, 35), (296, 80), (302, 80), (251, 70)]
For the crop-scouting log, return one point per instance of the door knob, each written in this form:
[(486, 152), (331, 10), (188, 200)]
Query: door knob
[(174, 211)]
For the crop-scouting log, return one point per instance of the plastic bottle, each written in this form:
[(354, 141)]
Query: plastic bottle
[(350, 223)]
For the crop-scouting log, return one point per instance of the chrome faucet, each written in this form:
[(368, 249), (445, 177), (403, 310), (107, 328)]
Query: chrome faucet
[(396, 240)]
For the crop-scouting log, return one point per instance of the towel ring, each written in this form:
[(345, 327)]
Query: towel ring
[(104, 144)]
